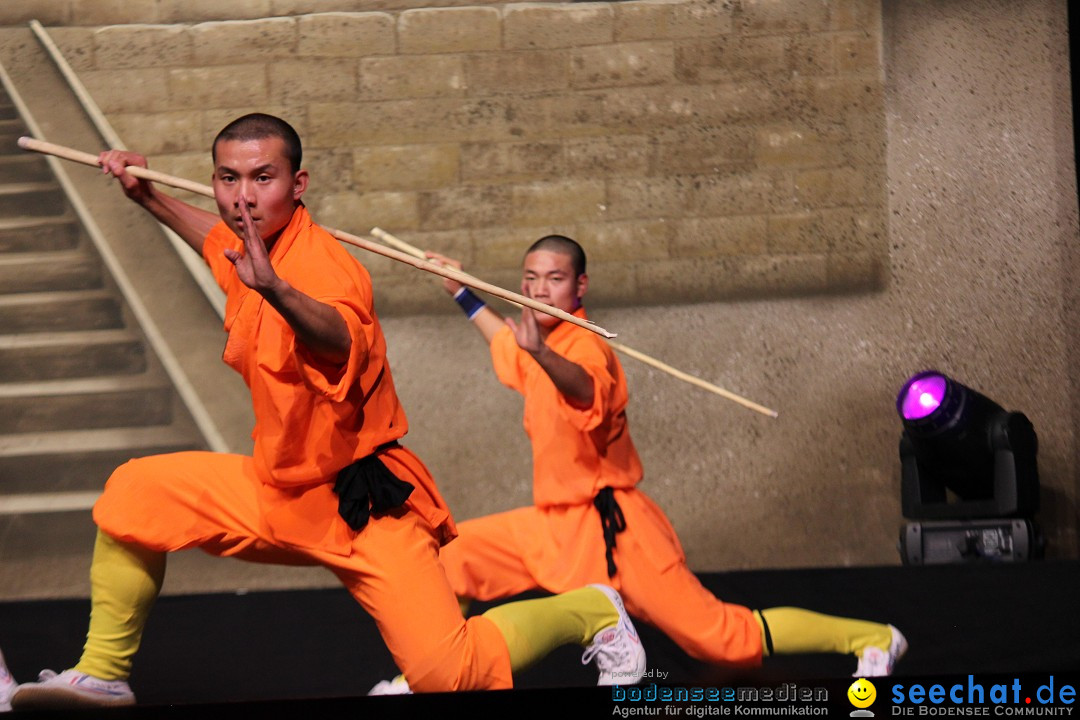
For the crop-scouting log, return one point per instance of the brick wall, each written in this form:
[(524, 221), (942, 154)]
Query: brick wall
[(699, 150)]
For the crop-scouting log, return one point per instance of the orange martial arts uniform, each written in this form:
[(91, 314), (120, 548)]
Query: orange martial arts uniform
[(558, 543), (311, 420)]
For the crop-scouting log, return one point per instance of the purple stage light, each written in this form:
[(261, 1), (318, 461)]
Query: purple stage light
[(921, 395)]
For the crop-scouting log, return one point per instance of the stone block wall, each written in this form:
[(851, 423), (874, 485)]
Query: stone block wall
[(699, 150)]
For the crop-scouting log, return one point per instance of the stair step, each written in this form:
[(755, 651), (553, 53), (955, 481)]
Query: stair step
[(44, 271), (10, 131), (68, 535), (20, 234), (42, 502), (92, 403), (82, 466), (23, 168), (81, 460), (53, 356), (82, 441), (31, 198), (7, 110), (59, 312)]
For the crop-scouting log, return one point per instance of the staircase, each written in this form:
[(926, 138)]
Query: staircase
[(81, 391)]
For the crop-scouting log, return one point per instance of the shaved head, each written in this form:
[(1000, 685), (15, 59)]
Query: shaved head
[(564, 246), (258, 126)]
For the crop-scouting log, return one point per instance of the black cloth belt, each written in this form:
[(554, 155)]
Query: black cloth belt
[(366, 487), (768, 634), (612, 522)]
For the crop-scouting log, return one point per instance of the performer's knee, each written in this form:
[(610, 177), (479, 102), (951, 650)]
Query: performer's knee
[(474, 658), (123, 476), (119, 485), (134, 489), (439, 668)]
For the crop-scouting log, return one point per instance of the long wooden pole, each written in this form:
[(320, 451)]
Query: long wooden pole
[(421, 263), (637, 355)]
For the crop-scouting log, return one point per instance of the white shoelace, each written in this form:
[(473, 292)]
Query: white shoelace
[(607, 652)]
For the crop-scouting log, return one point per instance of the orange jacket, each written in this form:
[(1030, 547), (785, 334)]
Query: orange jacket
[(576, 453), (313, 418)]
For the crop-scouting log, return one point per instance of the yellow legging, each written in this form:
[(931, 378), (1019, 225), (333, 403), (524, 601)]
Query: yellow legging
[(794, 630), (124, 582), (533, 628)]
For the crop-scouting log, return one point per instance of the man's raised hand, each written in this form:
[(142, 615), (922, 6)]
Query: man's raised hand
[(253, 265), (527, 331), (113, 163), (450, 286)]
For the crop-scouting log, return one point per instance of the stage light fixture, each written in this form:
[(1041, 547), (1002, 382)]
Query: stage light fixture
[(966, 464), (944, 542)]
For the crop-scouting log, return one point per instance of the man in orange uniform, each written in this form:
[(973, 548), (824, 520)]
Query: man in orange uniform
[(328, 483), (589, 522)]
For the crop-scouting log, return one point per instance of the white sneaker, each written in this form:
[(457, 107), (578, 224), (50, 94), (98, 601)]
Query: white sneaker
[(398, 686), (878, 662), (71, 689), (616, 649), (7, 685)]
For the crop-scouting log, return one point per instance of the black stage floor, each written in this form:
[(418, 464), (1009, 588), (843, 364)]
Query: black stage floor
[(314, 653)]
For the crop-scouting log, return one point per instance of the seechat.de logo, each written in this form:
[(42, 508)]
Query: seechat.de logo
[(976, 698)]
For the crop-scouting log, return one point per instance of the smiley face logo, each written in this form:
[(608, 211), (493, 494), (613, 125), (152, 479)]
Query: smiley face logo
[(862, 693)]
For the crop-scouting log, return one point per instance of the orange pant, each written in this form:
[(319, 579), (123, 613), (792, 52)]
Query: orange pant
[(214, 501), (560, 548)]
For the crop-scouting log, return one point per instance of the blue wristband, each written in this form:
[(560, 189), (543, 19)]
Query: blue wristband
[(469, 303)]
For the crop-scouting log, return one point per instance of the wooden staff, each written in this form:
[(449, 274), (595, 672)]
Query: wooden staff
[(421, 263), (637, 355)]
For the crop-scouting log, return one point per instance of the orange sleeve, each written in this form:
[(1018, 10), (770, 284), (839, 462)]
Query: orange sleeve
[(595, 359), (506, 358), (214, 244), (331, 276), (331, 379)]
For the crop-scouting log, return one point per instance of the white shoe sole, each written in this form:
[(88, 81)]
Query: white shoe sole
[(34, 696)]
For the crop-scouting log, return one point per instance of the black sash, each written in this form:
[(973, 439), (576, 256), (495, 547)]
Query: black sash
[(366, 487), (612, 522)]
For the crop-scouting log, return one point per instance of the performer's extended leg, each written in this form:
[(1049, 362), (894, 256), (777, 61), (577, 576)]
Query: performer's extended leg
[(485, 563), (393, 572), (398, 580), (125, 580), (124, 583), (795, 630), (533, 628), (790, 630), (199, 499), (709, 629)]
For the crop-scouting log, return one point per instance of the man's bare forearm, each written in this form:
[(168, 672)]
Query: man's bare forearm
[(318, 326), (189, 222), (569, 378)]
